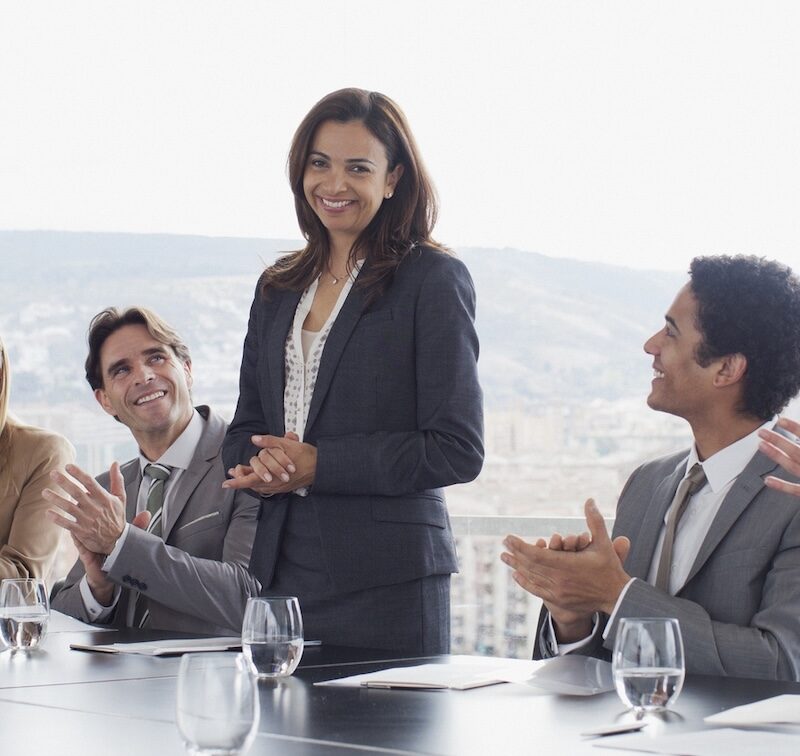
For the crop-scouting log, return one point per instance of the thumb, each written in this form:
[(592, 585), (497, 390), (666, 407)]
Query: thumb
[(292, 436), (141, 520), (596, 523), (117, 482), (622, 545)]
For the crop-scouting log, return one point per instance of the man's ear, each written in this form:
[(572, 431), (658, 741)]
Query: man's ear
[(187, 368), (102, 400), (732, 369)]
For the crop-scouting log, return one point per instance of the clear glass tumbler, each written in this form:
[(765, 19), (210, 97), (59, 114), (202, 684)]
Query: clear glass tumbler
[(24, 613), (272, 635), (217, 707), (648, 664)]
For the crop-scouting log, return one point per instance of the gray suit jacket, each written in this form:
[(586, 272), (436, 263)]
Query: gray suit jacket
[(196, 579), (396, 415), (739, 610)]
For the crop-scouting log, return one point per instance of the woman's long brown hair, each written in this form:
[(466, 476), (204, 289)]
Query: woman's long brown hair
[(401, 224)]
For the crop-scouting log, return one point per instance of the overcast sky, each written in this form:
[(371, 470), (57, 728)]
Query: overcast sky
[(640, 132)]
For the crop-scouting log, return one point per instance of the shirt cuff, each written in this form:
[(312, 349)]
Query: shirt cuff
[(616, 608), (560, 649), (96, 611), (108, 563)]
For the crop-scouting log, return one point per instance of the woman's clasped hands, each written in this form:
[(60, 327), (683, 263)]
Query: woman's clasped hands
[(282, 464)]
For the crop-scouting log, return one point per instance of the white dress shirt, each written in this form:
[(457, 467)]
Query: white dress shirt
[(178, 457), (721, 469)]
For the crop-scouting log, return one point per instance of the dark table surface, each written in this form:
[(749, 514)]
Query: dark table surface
[(59, 701)]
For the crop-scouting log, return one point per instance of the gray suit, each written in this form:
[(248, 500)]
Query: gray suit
[(196, 579), (739, 610)]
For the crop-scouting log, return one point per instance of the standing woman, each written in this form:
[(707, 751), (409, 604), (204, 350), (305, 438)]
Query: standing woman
[(359, 396), (30, 544)]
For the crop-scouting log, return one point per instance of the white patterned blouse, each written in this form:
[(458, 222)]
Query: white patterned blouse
[(302, 355)]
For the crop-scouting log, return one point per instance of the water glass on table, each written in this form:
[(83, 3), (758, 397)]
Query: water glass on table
[(272, 635), (24, 613), (648, 663), (217, 708)]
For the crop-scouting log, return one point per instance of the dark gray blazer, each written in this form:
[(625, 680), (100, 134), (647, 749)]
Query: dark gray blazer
[(739, 610), (396, 415), (196, 578)]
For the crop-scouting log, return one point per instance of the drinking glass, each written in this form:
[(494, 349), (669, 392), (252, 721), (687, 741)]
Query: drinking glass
[(648, 663), (24, 612), (272, 635), (217, 707)]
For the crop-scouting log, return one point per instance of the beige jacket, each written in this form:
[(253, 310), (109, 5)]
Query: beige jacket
[(30, 544)]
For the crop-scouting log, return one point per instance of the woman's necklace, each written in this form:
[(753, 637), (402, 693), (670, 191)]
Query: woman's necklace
[(336, 280)]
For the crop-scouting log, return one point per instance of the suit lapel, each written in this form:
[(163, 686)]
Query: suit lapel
[(743, 491), (334, 347), (643, 547), (276, 356), (203, 459)]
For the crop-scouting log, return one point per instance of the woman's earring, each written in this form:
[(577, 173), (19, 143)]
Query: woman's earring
[(388, 195)]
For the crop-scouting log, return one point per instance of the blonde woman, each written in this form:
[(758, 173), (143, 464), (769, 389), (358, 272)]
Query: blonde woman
[(30, 544)]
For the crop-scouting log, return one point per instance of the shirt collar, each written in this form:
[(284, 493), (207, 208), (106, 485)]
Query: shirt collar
[(727, 464), (180, 453)]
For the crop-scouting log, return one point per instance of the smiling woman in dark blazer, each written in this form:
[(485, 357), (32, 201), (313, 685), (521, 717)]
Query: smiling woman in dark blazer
[(359, 396)]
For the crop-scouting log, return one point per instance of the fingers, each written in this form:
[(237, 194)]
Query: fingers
[(61, 521), (260, 470), (622, 545), (577, 542), (780, 449), (142, 520), (89, 484), (274, 446), (790, 425), (556, 542), (240, 471), (280, 457), (265, 441), (782, 485), (241, 479), (117, 481), (537, 583), (277, 463), (267, 466), (65, 503), (72, 487), (596, 523)]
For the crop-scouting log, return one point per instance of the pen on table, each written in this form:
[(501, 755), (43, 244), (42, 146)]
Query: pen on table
[(614, 729), (401, 686)]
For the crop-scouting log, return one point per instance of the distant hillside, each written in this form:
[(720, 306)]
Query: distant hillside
[(550, 329)]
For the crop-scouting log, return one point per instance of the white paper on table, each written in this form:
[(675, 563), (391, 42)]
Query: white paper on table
[(571, 675), (165, 647), (783, 709), (727, 740), (63, 623), (462, 673)]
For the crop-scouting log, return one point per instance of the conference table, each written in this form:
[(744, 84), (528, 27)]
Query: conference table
[(61, 701)]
